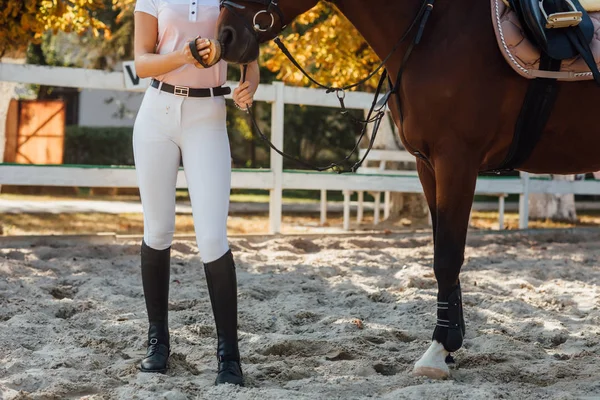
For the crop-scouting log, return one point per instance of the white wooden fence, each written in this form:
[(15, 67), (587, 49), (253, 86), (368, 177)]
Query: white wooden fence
[(274, 179)]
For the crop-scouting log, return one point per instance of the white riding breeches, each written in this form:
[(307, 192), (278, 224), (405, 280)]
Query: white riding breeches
[(169, 129)]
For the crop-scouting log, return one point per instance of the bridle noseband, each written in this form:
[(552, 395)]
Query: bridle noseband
[(271, 6)]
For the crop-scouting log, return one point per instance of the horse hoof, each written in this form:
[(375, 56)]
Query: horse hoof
[(431, 372), (433, 363)]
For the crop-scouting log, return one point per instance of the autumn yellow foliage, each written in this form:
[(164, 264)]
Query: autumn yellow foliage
[(327, 46), (323, 41), (24, 21), (125, 8)]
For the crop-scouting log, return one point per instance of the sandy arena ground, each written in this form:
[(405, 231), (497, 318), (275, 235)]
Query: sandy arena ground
[(329, 317)]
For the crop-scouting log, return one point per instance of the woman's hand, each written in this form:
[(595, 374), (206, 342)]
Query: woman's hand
[(243, 95), (209, 50)]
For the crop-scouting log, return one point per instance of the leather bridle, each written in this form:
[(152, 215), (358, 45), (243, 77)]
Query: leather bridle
[(378, 105)]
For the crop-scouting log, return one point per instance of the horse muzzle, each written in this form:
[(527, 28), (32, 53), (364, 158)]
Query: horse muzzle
[(238, 46)]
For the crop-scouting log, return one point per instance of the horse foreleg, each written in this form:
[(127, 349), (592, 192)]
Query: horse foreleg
[(455, 180), (427, 178)]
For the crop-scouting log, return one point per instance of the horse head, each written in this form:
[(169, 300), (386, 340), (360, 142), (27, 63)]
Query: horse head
[(244, 24)]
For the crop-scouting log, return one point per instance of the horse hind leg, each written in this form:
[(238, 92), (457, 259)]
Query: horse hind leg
[(454, 191)]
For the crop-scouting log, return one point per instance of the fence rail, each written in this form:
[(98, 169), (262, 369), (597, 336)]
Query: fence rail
[(275, 179)]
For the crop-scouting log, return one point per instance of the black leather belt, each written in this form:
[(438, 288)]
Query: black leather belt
[(185, 91)]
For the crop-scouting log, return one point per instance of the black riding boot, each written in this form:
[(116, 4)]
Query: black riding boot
[(155, 280), (222, 288)]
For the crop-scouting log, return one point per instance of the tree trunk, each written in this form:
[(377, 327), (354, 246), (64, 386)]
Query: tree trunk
[(404, 205), (554, 207)]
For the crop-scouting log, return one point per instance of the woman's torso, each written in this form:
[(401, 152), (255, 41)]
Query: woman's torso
[(179, 21)]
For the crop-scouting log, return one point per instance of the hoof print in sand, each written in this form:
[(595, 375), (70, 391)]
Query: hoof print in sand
[(303, 318), (66, 312), (178, 364), (479, 360), (403, 336), (294, 374), (385, 369), (382, 296), (374, 339), (282, 372), (421, 282), (370, 244), (300, 348), (63, 292), (182, 305), (14, 255), (305, 246), (340, 355), (205, 331), (259, 293)]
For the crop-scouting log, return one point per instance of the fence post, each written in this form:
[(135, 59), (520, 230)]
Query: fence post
[(524, 202), (323, 206), (346, 209), (360, 208), (501, 211), (276, 194)]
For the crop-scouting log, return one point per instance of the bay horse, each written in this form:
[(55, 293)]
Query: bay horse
[(459, 104)]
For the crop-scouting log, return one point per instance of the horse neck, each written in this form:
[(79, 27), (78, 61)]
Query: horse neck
[(380, 20)]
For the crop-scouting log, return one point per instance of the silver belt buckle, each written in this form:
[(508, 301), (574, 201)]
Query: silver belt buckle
[(182, 91)]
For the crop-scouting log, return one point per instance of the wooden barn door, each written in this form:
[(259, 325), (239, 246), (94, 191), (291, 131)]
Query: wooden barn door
[(40, 133)]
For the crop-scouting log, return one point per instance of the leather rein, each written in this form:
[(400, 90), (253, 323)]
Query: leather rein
[(377, 110)]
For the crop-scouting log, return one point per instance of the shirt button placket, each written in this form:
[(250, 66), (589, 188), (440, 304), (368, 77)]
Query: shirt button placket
[(193, 10)]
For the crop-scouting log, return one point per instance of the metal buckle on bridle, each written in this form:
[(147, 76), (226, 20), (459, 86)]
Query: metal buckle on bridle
[(181, 91), (562, 19), (269, 5), (256, 25), (341, 95)]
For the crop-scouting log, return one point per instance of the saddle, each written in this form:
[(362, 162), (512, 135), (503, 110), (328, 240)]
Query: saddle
[(563, 30), (545, 41)]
